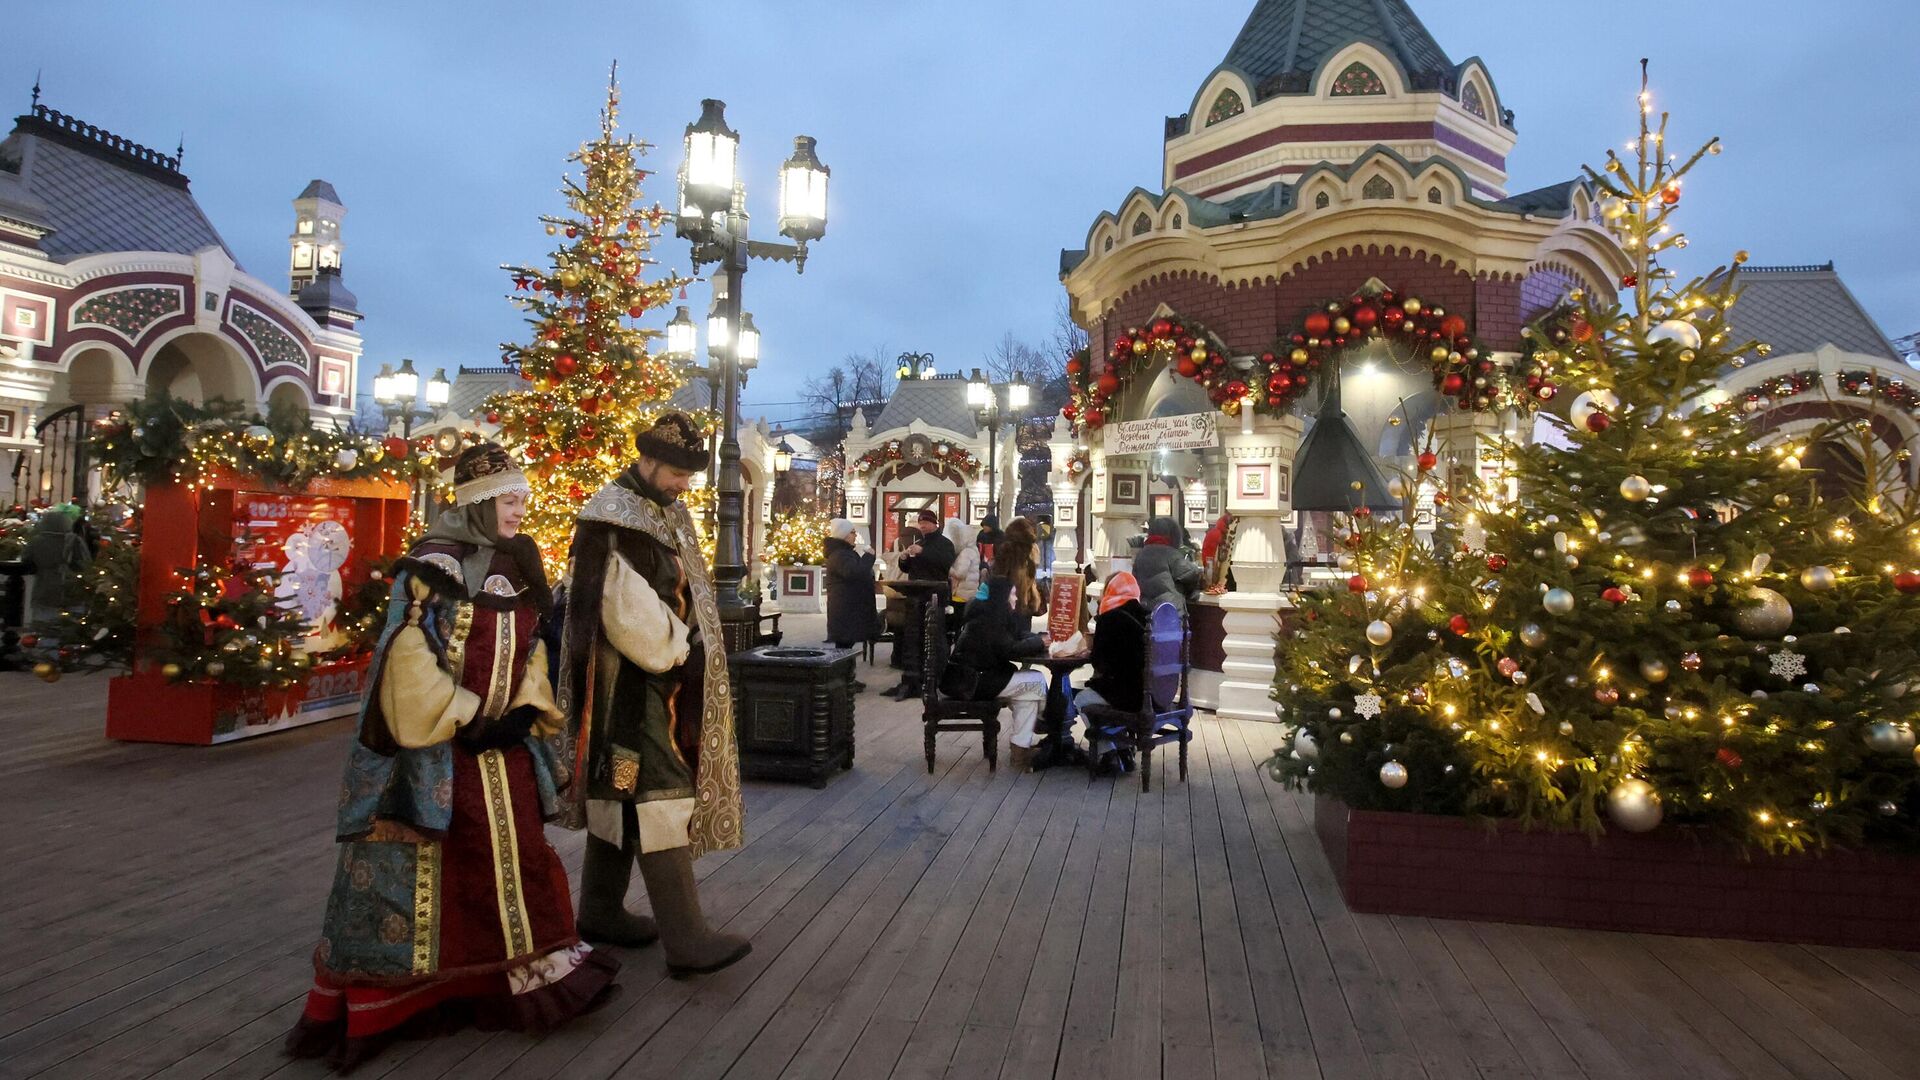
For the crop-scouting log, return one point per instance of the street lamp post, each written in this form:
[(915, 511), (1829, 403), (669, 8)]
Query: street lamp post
[(397, 391), (984, 396), (915, 365), (713, 218)]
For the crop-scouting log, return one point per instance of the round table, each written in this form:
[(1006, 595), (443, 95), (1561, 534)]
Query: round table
[(1057, 747)]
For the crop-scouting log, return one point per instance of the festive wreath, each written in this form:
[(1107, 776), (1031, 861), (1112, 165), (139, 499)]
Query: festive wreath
[(1273, 380), (892, 451)]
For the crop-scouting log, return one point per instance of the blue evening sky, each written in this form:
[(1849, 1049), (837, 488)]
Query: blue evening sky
[(969, 142)]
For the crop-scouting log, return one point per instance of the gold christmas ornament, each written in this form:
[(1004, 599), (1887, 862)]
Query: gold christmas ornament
[(46, 672), (1634, 805)]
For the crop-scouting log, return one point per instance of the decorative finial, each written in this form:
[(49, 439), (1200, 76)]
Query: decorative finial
[(36, 88), (180, 150)]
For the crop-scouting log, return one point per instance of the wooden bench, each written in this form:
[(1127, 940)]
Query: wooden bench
[(1166, 707)]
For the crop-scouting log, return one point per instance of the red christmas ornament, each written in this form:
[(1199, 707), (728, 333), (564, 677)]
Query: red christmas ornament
[(1700, 577), (1073, 366), (588, 432), (1356, 584), (1162, 327), (1109, 383), (1186, 367), (636, 311), (493, 418), (1364, 512), (1458, 624), (576, 492), (1612, 594), (1428, 459), (572, 232), (1453, 326), (1582, 330), (1364, 317), (589, 405), (1628, 281), (1598, 422), (1452, 384), (1317, 324), (1670, 196), (395, 446), (1496, 563), (1606, 695), (1729, 757), (565, 364), (1907, 581), (28, 641)]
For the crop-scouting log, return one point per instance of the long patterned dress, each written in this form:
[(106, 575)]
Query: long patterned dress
[(447, 890)]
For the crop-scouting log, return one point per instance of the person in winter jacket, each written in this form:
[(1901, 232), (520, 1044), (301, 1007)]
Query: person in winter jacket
[(988, 538), (57, 555), (851, 618), (982, 665), (965, 574), (1119, 641), (1167, 574)]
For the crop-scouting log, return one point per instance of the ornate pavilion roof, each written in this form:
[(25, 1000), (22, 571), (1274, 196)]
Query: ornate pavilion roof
[(98, 192), (1285, 41), (1797, 309)]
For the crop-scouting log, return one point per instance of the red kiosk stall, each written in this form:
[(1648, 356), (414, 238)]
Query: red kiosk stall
[(318, 539)]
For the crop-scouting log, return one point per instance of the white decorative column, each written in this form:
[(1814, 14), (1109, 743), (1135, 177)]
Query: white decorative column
[(1196, 497), (1259, 492), (1066, 496), (1246, 677)]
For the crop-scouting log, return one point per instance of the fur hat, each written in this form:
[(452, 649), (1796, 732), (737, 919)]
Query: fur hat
[(485, 472), (675, 440), (928, 516), (841, 529)]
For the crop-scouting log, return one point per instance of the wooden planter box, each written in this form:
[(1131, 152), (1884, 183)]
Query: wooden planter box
[(1671, 881)]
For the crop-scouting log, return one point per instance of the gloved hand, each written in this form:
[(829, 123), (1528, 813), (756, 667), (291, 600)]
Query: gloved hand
[(501, 732)]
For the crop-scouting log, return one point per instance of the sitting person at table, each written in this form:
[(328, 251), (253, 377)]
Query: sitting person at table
[(982, 666), (1119, 642)]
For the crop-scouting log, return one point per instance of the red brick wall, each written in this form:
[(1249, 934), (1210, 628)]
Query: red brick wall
[(1249, 315)]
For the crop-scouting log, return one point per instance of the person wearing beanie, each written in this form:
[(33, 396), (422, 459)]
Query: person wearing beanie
[(851, 618), (649, 705), (449, 904), (965, 572)]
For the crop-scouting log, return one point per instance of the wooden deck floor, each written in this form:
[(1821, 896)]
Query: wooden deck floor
[(161, 902)]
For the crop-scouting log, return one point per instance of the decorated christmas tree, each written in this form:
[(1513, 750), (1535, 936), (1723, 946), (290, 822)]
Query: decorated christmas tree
[(797, 538), (592, 379), (1654, 618)]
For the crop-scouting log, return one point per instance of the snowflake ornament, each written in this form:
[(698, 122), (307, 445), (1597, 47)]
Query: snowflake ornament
[(1367, 705), (1788, 664)]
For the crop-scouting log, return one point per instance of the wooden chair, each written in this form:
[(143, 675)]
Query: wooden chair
[(939, 712), (1166, 706)]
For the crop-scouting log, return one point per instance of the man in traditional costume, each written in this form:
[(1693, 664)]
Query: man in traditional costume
[(644, 684), (448, 905)]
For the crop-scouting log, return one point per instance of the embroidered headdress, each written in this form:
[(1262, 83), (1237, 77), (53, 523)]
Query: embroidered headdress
[(674, 439), (485, 472)]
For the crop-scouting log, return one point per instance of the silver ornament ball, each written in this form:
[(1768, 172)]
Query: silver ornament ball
[(1393, 774), (1557, 601), (1305, 745), (1533, 635), (1765, 613), (1653, 670), (1889, 737), (1818, 578), (1634, 805), (1379, 632), (1635, 488)]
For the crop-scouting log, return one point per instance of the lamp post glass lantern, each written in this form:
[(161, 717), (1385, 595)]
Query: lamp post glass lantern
[(398, 391), (713, 219), (915, 365)]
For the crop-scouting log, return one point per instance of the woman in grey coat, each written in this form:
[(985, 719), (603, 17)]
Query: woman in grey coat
[(1167, 574)]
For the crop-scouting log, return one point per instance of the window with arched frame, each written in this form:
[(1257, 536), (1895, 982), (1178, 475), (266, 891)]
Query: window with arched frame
[(1226, 105), (1357, 80), (1377, 188), (1142, 224), (1321, 200), (1433, 195), (1108, 246), (1472, 101)]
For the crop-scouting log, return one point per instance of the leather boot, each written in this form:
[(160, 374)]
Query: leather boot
[(604, 918), (692, 947)]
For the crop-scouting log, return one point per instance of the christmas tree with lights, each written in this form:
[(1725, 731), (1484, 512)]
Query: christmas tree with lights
[(592, 379), (1656, 619)]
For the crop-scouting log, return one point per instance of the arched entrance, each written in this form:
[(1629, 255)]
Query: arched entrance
[(200, 367)]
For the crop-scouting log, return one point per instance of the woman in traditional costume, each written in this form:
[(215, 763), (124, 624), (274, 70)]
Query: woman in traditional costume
[(449, 906)]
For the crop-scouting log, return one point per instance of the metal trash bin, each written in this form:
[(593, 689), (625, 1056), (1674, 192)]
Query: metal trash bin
[(794, 709)]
